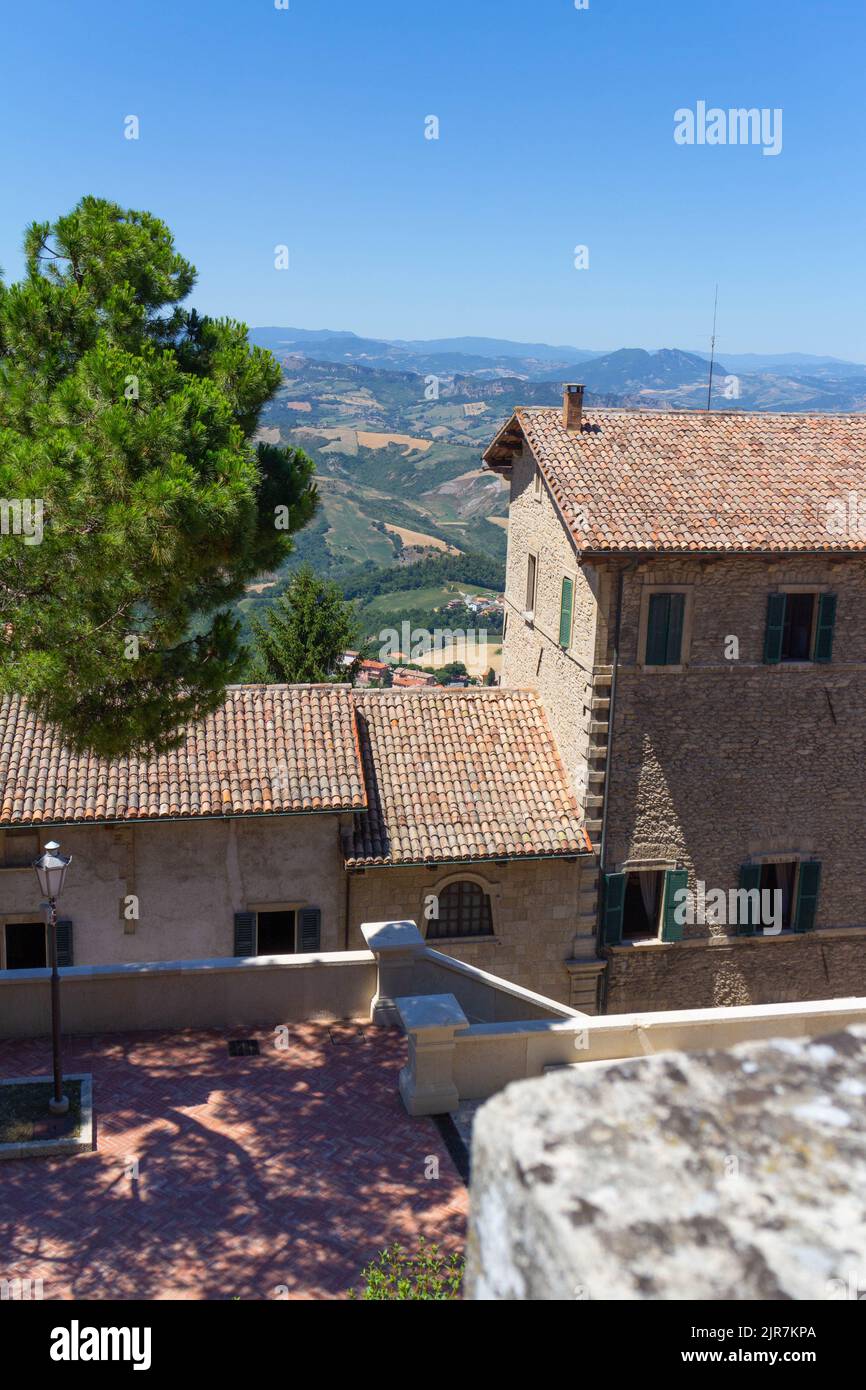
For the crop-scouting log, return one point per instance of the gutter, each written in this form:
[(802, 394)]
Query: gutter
[(347, 908), (177, 820), (468, 863)]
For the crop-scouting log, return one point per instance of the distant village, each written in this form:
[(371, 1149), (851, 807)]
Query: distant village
[(371, 672)]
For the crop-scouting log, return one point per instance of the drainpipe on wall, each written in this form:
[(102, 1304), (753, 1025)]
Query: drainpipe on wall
[(347, 909)]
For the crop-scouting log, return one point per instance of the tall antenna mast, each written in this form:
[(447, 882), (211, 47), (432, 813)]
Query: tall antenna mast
[(713, 352)]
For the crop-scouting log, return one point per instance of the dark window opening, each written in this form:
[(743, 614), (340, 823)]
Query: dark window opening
[(797, 632), (464, 910), (779, 877), (642, 904), (664, 635), (531, 577), (276, 934), (25, 946)]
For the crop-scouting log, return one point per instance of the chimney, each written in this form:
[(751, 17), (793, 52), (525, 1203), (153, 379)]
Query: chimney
[(572, 407)]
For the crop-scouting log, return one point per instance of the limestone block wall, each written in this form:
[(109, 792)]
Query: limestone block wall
[(543, 1225), (542, 916), (760, 970), (532, 657), (732, 758)]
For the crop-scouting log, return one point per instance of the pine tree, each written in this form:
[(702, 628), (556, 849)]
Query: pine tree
[(130, 422), (305, 633)]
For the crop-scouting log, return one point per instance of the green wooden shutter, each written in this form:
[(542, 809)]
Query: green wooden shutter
[(245, 933), (750, 878), (826, 625), (566, 606), (808, 883), (674, 643), (775, 629), (614, 905), (658, 621), (309, 929), (64, 941), (675, 881)]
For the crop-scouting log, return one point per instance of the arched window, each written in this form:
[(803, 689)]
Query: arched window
[(464, 910)]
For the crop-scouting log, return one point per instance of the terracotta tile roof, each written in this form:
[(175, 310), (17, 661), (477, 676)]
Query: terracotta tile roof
[(635, 480), (460, 775), (270, 749)]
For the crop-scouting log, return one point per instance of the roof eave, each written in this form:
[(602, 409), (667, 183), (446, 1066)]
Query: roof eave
[(380, 862), (684, 552), (499, 454)]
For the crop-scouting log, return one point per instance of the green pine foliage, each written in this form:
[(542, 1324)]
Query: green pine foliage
[(305, 633), (132, 420), (470, 568)]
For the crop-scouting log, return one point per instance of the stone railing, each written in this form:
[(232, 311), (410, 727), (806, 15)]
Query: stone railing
[(451, 1059), (225, 992), (407, 966), (724, 1176), (190, 993)]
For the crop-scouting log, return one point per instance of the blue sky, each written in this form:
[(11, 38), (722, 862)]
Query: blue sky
[(305, 127)]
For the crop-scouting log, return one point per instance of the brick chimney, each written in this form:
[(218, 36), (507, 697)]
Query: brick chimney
[(572, 407)]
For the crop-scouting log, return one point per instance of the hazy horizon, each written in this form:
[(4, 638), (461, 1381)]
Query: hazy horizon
[(522, 168)]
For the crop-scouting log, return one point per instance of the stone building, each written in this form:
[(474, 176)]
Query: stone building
[(660, 807), (686, 593), (294, 814)]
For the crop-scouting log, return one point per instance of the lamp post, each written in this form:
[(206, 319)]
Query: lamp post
[(51, 869)]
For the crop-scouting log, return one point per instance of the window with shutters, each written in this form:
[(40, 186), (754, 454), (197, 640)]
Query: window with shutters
[(464, 910), (796, 881), (664, 636), (665, 626), (566, 609), (800, 626), (642, 906)]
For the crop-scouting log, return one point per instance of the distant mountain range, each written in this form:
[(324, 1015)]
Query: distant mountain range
[(665, 377), (397, 430)]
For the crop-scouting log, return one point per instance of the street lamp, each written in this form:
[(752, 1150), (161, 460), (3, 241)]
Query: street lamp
[(51, 869)]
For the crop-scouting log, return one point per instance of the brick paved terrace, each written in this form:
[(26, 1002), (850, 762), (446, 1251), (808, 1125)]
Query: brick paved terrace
[(217, 1177)]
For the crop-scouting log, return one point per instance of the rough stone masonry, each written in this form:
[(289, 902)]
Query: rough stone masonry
[(730, 1175)]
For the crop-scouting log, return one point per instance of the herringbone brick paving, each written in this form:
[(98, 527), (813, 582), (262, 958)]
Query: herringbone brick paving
[(216, 1177)]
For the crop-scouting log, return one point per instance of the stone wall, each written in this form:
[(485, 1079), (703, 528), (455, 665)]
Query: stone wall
[(725, 759), (760, 970), (221, 993), (707, 767), (190, 878), (531, 655), (535, 906), (736, 1175)]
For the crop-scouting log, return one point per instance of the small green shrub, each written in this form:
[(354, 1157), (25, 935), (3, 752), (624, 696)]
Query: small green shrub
[(398, 1274)]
